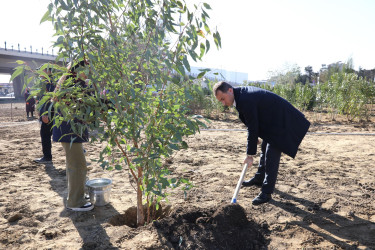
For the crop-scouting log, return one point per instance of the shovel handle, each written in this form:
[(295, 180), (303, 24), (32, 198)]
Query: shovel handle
[(234, 199)]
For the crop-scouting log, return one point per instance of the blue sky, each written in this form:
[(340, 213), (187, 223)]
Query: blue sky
[(257, 35)]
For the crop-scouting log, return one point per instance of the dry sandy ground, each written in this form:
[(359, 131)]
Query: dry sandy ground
[(325, 198)]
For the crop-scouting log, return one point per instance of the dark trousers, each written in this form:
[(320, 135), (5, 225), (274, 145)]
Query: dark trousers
[(268, 167), (45, 134)]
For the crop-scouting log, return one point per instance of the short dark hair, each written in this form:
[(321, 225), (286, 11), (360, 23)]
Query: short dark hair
[(222, 86), (81, 63)]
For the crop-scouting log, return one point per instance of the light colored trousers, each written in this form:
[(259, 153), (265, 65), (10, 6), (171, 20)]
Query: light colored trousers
[(76, 170)]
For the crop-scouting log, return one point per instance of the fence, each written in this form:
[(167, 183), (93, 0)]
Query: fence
[(12, 110)]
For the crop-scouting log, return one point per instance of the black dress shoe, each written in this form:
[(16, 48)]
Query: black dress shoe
[(253, 181), (262, 198), (43, 160)]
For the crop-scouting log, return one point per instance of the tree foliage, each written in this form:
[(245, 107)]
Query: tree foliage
[(287, 74), (344, 93), (135, 49)]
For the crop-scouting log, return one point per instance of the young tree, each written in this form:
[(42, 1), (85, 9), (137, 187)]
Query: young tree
[(135, 48), (286, 75)]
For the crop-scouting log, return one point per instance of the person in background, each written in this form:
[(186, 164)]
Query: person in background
[(46, 124), (270, 117), (76, 167), (30, 104)]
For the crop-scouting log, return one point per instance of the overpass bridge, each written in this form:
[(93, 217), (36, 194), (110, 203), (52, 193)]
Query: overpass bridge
[(8, 58)]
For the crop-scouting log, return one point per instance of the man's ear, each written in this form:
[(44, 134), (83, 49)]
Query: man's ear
[(230, 90)]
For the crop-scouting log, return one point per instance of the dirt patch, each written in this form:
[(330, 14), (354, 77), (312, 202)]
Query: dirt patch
[(324, 198), (226, 227), (129, 218)]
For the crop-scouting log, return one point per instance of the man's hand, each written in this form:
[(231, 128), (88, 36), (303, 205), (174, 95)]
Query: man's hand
[(45, 118), (248, 160)]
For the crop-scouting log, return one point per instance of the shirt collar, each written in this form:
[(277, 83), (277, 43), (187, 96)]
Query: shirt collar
[(234, 102)]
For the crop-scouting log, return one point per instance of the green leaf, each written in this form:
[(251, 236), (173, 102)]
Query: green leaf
[(184, 145), (20, 62), (29, 80), (217, 39), (186, 63), (63, 5), (190, 16), (207, 46), (202, 49), (200, 75), (179, 3), (104, 164), (207, 28), (175, 80), (19, 70), (184, 181), (173, 146), (180, 69), (59, 23), (46, 17), (193, 54), (207, 6), (164, 182)]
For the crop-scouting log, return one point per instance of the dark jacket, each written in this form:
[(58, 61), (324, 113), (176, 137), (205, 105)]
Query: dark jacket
[(271, 118), (50, 87), (64, 133), (30, 102)]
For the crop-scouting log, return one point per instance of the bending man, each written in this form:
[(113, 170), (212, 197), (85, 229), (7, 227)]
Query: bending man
[(270, 117)]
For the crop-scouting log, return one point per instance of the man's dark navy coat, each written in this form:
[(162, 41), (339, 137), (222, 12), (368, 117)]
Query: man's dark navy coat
[(271, 118)]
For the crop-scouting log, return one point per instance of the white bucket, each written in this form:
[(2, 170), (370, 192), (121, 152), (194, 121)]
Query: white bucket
[(99, 191)]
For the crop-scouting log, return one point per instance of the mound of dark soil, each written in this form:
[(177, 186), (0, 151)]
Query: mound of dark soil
[(224, 228)]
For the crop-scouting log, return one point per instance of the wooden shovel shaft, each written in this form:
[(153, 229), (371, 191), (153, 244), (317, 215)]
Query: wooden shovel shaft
[(234, 199)]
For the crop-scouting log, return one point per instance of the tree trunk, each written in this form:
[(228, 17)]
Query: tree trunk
[(140, 213)]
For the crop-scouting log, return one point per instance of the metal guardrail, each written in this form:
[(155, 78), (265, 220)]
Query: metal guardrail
[(18, 49)]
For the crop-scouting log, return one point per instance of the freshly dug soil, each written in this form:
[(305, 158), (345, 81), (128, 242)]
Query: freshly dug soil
[(226, 227), (129, 218)]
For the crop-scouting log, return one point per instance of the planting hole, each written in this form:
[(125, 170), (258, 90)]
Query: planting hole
[(129, 218)]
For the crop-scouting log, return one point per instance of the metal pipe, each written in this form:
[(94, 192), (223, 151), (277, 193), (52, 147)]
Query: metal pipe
[(239, 183)]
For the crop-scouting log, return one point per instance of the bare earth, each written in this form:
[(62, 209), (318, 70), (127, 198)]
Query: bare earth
[(325, 198)]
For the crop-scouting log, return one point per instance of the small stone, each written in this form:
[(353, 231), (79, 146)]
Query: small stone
[(15, 217), (50, 234)]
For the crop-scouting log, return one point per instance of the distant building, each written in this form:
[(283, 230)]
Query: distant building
[(6, 88)]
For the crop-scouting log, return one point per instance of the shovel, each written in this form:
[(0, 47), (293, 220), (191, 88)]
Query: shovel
[(234, 199)]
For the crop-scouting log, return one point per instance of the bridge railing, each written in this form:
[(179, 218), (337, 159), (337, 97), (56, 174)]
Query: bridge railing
[(24, 50)]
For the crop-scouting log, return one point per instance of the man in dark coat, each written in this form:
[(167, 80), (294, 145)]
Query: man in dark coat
[(45, 110), (270, 117)]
